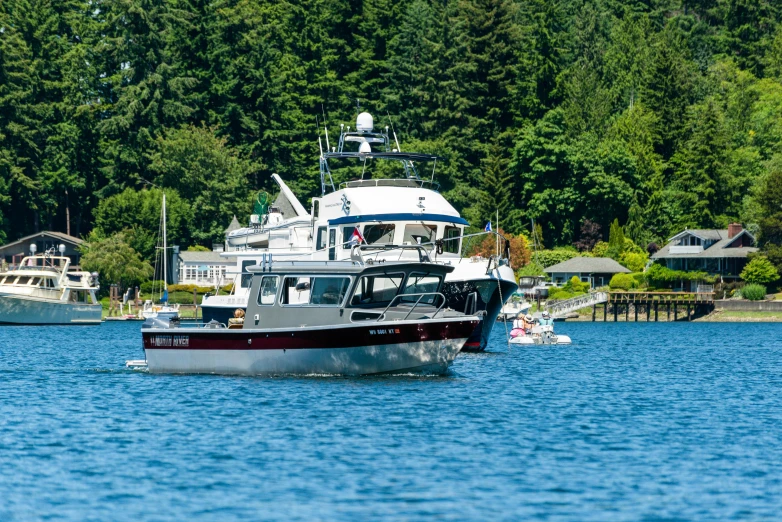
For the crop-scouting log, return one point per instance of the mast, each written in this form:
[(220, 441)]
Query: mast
[(165, 268)]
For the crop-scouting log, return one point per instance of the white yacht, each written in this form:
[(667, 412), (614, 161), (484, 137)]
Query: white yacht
[(43, 289), (384, 214)]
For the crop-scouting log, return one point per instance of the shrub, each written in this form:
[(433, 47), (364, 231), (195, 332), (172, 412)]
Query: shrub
[(575, 286), (639, 279), (633, 261), (547, 258), (147, 286), (753, 292), (600, 249), (759, 271), (531, 269), (559, 294), (621, 282)]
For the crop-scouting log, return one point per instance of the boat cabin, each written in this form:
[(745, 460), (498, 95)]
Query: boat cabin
[(317, 293), (49, 277)]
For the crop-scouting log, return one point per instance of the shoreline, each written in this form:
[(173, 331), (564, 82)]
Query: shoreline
[(717, 316)]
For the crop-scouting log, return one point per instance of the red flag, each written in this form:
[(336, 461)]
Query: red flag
[(357, 236)]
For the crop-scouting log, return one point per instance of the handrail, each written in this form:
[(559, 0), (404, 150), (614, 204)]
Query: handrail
[(420, 296), (389, 182), (575, 303)]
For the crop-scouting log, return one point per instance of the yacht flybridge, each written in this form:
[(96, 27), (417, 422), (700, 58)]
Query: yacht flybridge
[(383, 204), (321, 317), (44, 290)]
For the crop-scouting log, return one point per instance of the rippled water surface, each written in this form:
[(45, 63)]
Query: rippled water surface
[(633, 422)]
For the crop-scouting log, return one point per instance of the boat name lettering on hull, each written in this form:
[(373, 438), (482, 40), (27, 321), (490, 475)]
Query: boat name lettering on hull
[(169, 340)]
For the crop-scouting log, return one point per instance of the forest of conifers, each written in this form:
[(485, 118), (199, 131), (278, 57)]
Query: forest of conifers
[(663, 114)]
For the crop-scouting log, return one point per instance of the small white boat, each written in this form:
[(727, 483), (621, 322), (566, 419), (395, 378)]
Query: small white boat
[(541, 335), (44, 290)]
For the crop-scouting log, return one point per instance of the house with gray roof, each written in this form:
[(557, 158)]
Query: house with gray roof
[(48, 240), (597, 271), (717, 252)]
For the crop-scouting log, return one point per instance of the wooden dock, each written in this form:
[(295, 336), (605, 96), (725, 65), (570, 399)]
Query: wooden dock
[(692, 304)]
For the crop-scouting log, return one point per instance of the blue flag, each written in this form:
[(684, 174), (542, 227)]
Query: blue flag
[(165, 296), (488, 227)]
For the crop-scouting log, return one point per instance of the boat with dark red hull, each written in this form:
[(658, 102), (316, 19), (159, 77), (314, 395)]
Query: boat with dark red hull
[(322, 317)]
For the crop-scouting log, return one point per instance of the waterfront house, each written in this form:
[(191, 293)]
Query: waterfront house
[(597, 271), (200, 268), (717, 252), (46, 241)]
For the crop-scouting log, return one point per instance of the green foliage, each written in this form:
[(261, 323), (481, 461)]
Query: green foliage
[(531, 269), (616, 241), (657, 115), (198, 248), (634, 261), (547, 258), (760, 271), (137, 215), (147, 287), (576, 286), (115, 261), (600, 249), (753, 292), (621, 282), (659, 276)]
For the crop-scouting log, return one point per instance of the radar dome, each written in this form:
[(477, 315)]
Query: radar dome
[(364, 122), (364, 148)]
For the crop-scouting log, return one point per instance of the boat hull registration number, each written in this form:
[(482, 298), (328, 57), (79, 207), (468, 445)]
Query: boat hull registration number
[(169, 340)]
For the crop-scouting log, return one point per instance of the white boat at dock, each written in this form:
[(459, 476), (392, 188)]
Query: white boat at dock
[(43, 289)]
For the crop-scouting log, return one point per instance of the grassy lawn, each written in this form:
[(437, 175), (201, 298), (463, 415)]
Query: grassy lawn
[(737, 316)]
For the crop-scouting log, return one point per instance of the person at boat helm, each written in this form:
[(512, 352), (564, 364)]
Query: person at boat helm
[(238, 317), (546, 320)]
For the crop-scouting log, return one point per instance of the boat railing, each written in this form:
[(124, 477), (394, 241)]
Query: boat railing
[(391, 182), (398, 300)]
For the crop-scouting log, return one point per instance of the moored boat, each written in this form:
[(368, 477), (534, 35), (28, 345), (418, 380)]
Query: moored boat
[(322, 317), (44, 290)]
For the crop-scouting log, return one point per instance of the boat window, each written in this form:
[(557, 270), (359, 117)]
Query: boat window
[(315, 208), (347, 233), (23, 280), (49, 283), (451, 245), (77, 296), (295, 291), (247, 277), (375, 289), (419, 233), (421, 284), (36, 281), (329, 290), (321, 238), (379, 233), (268, 290)]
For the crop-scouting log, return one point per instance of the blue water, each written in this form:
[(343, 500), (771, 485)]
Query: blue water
[(633, 422)]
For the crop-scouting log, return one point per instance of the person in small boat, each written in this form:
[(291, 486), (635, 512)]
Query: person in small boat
[(518, 326), (546, 320), (237, 319)]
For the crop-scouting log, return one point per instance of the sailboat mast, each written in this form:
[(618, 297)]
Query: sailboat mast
[(165, 268)]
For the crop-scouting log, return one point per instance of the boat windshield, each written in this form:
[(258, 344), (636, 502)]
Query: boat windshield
[(421, 284), (419, 233), (375, 289), (379, 234)]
